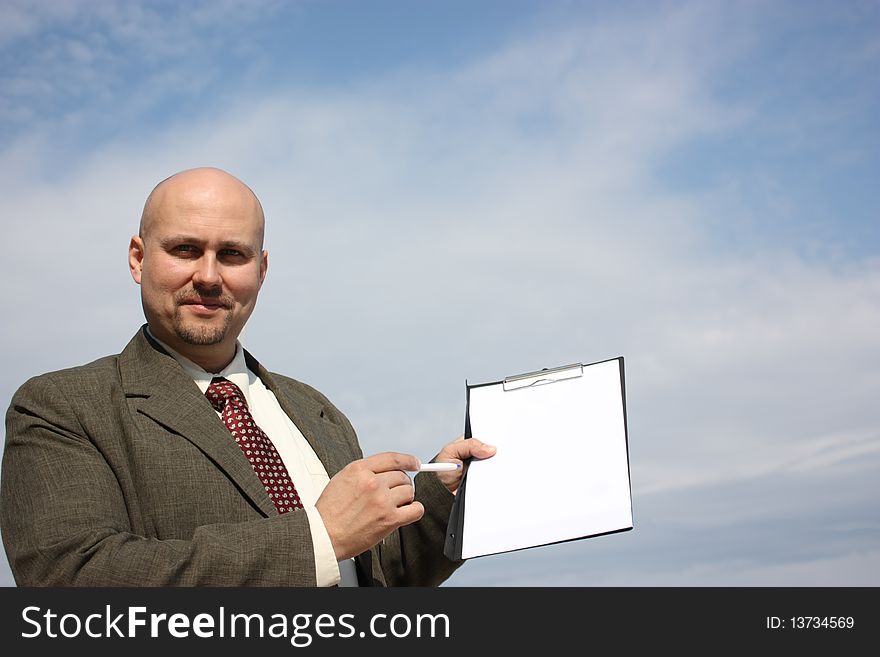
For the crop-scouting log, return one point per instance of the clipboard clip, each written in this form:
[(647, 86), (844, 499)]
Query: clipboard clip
[(543, 377)]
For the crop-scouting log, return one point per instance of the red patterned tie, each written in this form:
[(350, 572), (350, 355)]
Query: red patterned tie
[(227, 398)]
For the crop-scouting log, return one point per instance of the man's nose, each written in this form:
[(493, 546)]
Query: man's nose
[(207, 271)]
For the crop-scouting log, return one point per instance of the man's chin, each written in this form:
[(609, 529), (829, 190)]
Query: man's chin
[(200, 334)]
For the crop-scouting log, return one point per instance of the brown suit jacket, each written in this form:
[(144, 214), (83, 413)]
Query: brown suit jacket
[(119, 473)]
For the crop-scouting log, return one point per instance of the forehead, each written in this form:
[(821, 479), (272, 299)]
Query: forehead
[(223, 214)]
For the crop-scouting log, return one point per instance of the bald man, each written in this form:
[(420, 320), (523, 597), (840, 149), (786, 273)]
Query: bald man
[(183, 461)]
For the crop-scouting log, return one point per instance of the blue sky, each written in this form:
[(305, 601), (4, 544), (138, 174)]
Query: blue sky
[(468, 190)]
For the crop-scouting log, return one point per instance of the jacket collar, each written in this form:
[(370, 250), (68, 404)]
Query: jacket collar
[(161, 390)]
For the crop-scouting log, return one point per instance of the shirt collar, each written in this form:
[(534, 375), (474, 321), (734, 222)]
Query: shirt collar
[(237, 370)]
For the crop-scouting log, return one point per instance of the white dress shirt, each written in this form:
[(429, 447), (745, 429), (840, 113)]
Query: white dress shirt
[(305, 468)]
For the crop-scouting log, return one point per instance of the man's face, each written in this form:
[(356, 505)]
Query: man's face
[(200, 266)]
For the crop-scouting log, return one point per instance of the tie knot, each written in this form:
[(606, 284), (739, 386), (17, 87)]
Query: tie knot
[(222, 390)]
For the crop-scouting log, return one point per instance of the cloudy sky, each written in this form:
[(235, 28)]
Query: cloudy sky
[(464, 190)]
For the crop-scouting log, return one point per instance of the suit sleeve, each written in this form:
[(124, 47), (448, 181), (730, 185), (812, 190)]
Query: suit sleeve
[(413, 555), (68, 519)]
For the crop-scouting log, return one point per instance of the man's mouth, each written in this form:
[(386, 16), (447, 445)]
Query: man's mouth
[(205, 305)]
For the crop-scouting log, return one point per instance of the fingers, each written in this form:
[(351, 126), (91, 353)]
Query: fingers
[(388, 461), (394, 478), (458, 451), (399, 484), (395, 484), (402, 495), (481, 450), (465, 448), (410, 513)]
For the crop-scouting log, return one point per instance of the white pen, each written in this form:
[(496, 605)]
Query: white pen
[(439, 467)]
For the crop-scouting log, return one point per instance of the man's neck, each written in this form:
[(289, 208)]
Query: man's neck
[(210, 362), (211, 358)]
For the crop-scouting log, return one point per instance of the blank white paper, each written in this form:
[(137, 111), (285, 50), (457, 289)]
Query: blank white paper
[(561, 470)]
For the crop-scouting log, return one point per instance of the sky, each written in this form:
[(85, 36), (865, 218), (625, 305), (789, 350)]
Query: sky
[(461, 191)]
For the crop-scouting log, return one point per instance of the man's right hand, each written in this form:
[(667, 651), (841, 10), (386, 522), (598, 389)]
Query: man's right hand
[(367, 500)]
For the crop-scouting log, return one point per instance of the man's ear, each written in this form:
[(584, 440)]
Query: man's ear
[(136, 258), (264, 266)]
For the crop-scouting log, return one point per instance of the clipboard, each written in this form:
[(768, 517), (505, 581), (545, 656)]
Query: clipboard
[(561, 472)]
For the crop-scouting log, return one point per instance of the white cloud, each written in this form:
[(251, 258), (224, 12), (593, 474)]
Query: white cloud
[(114, 60)]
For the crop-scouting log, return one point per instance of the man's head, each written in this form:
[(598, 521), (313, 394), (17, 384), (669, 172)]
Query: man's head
[(199, 260)]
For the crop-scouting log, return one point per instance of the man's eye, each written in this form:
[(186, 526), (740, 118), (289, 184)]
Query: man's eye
[(231, 252), (184, 248)]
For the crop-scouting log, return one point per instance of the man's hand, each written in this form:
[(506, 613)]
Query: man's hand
[(457, 452), (367, 500)]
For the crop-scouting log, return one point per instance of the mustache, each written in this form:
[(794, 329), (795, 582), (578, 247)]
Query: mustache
[(196, 296)]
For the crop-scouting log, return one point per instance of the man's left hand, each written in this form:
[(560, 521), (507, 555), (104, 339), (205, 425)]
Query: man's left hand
[(459, 451)]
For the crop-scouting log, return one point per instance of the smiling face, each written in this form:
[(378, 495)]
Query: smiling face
[(200, 264)]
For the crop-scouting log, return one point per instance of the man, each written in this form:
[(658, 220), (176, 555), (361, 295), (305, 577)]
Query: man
[(183, 461)]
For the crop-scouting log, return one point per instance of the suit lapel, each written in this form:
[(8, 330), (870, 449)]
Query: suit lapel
[(308, 415), (160, 389)]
